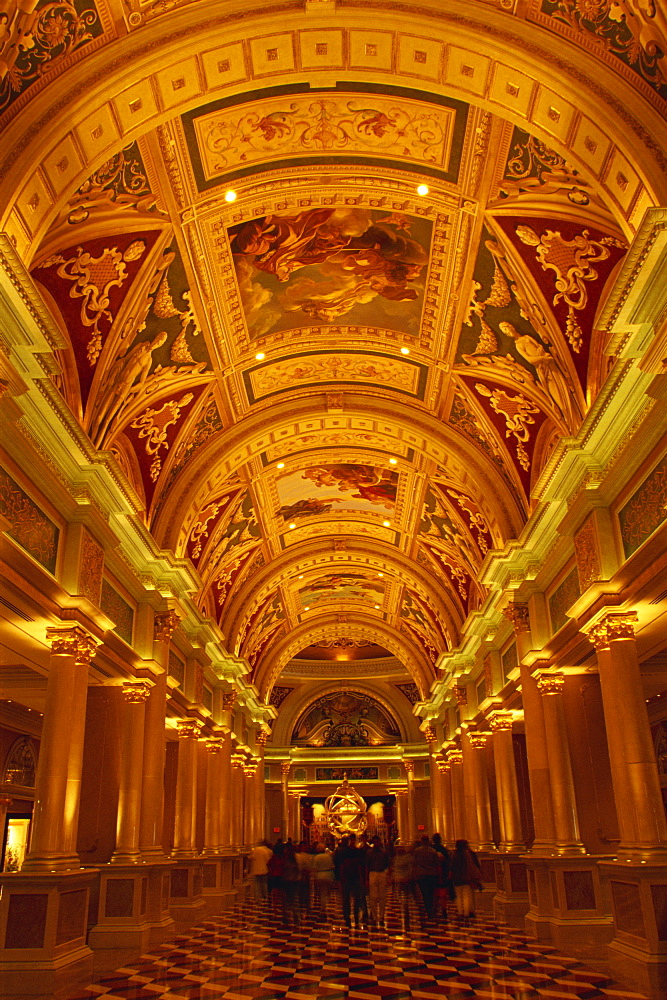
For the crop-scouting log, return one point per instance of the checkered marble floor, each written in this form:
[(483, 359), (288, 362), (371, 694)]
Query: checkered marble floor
[(247, 954)]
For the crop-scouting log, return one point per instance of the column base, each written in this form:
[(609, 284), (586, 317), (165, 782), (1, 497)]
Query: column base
[(510, 903), (123, 928), (569, 904), (44, 920), (186, 900), (638, 952), (45, 864), (218, 887)]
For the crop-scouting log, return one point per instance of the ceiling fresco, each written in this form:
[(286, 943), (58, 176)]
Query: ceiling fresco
[(330, 392)]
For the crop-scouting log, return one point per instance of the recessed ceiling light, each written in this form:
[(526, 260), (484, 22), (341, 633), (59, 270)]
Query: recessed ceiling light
[(307, 608), (301, 576), (380, 574), (422, 190), (290, 526), (393, 461), (230, 195), (260, 356), (387, 524), (377, 607), (280, 465), (405, 350)]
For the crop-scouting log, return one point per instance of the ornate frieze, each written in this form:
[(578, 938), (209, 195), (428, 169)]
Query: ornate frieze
[(587, 551)]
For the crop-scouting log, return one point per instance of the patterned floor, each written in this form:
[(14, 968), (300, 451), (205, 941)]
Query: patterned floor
[(247, 954)]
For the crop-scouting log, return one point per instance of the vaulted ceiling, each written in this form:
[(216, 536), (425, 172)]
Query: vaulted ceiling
[(331, 329)]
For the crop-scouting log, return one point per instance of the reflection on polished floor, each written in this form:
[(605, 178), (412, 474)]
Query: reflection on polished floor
[(247, 954)]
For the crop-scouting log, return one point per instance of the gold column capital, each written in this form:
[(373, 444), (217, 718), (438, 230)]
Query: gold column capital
[(228, 701), (262, 736), (189, 729), (285, 766), (136, 692), (409, 765), (72, 640), (550, 682), (429, 733), (461, 695), (478, 740), (164, 625), (501, 720), (442, 764), (455, 756), (518, 615), (214, 745), (238, 760), (613, 625)]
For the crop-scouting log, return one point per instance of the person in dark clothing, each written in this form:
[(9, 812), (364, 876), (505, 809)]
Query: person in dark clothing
[(445, 890), (426, 867), (352, 869), (466, 876), (291, 912), (377, 862)]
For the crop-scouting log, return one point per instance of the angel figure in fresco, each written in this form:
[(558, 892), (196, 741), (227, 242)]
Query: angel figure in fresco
[(556, 383), (123, 381), (369, 482), (304, 508), (282, 244)]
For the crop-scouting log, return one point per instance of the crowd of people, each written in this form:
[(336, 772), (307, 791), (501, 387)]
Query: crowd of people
[(295, 878)]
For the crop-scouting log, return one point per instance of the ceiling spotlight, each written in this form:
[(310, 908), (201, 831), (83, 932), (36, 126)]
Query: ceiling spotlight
[(307, 608), (377, 607), (301, 576), (380, 574), (292, 525), (422, 190), (231, 195), (393, 461), (405, 350), (280, 465), (260, 356), (387, 524)]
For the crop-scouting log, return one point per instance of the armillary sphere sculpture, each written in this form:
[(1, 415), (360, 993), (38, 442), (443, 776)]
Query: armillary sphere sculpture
[(345, 811)]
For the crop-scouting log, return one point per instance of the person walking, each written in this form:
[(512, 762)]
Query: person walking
[(426, 864), (260, 856), (466, 876), (323, 879), (291, 911), (403, 883), (445, 888), (352, 868), (377, 863)]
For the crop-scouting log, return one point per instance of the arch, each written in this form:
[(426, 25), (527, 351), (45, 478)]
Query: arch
[(20, 764)]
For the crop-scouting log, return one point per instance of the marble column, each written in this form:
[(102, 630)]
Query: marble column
[(566, 821), (410, 776), (186, 789), (226, 783), (155, 746), (478, 743), (402, 815), (58, 781), (285, 766), (448, 826), (637, 791), (214, 795), (536, 740), (436, 795), (468, 786), (250, 812), (509, 813), (128, 819), (260, 793), (455, 760), (238, 799)]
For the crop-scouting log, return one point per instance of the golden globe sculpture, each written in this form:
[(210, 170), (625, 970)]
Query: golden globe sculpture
[(345, 811)]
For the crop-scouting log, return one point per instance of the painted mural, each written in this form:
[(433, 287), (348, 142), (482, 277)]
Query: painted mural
[(345, 587), (346, 718), (316, 267), (327, 489)]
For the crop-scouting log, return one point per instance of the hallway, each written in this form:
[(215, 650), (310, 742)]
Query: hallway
[(246, 954)]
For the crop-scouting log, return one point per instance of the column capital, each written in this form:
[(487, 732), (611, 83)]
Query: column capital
[(550, 681), (442, 764), (409, 765), (228, 701), (250, 767), (214, 745), (189, 729), (501, 720), (262, 736), (461, 695), (164, 625), (285, 766), (455, 756), (613, 625), (429, 733), (238, 759), (518, 615), (72, 640), (136, 692), (478, 740)]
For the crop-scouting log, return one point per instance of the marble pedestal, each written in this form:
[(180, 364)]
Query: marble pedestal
[(43, 929)]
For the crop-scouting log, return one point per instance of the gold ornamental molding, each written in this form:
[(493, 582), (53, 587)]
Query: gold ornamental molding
[(189, 729), (610, 626), (501, 721), (519, 617), (165, 625), (455, 756), (550, 682), (72, 640), (136, 692), (214, 745), (478, 741)]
